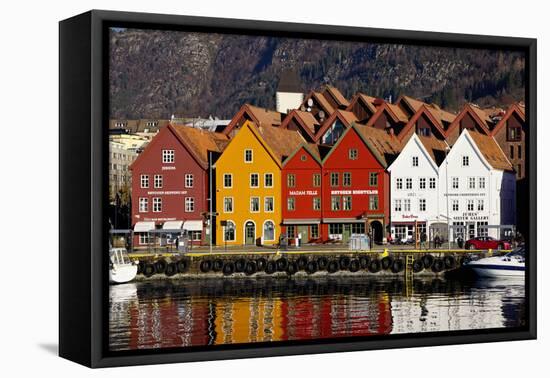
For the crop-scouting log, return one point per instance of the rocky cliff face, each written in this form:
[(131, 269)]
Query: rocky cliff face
[(154, 74)]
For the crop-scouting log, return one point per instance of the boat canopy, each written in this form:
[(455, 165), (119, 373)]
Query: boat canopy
[(144, 226), (193, 225), (172, 225)]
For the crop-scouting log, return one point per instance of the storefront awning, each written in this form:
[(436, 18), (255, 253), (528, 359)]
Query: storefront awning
[(301, 221), (144, 226), (192, 225), (172, 225)]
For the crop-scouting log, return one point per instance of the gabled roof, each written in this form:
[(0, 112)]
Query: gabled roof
[(382, 145), (259, 116), (346, 117), (433, 118), (368, 101), (481, 118), (311, 148), (514, 108), (305, 119), (198, 142), (281, 142), (435, 147), (321, 100), (394, 111), (336, 95), (412, 102), (491, 151)]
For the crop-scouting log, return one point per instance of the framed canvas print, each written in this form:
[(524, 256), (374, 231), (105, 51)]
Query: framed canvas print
[(234, 188)]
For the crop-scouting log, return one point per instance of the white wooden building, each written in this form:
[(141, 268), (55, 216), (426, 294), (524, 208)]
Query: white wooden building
[(477, 188), (415, 187)]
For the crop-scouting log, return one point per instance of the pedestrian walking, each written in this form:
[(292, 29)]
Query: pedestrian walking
[(437, 241), (423, 238)]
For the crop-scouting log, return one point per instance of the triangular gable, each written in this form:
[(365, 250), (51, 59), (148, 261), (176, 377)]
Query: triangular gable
[(321, 102), (513, 109), (468, 139), (346, 118), (411, 105), (414, 139), (353, 128), (468, 110), (385, 108), (423, 110), (175, 134), (249, 111), (295, 115), (309, 152)]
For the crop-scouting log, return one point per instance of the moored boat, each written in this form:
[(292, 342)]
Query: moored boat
[(121, 268), (511, 264)]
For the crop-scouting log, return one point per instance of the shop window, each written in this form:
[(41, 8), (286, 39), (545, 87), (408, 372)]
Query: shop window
[(291, 232), (335, 228), (229, 234), (269, 231), (358, 228)]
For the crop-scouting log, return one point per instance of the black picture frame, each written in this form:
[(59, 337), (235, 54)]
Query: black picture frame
[(83, 114)]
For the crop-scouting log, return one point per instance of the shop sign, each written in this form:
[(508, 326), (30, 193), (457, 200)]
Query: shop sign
[(354, 191), (471, 217), (166, 193), (303, 193)]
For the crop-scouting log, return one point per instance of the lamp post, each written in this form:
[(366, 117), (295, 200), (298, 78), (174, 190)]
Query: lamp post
[(447, 149)]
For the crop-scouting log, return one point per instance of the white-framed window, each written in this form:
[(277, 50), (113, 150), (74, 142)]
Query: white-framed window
[(455, 205), (254, 204), (189, 204), (158, 181), (470, 205), (291, 180), (144, 180), (353, 154), (471, 182), (346, 179), (269, 205), (248, 157), (422, 183), (316, 179), (399, 183), (167, 156), (482, 183), (480, 205), (303, 157), (415, 161), (465, 161), (373, 202), (143, 205), (454, 182), (227, 204), (189, 180), (291, 203), (268, 180), (316, 203), (269, 230), (157, 205), (228, 180), (254, 180), (432, 182), (143, 238), (373, 178), (422, 204), (408, 183), (346, 203), (335, 203), (407, 205), (398, 205), (334, 179), (229, 231)]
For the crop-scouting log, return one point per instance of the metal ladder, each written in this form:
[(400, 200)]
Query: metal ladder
[(409, 272)]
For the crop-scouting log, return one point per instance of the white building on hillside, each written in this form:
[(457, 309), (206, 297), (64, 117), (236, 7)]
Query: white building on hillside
[(415, 187), (477, 188)]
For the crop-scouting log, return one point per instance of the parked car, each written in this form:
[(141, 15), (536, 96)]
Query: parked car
[(487, 242)]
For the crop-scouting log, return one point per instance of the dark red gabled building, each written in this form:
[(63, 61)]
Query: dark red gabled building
[(364, 106), (301, 190), (170, 186), (356, 185)]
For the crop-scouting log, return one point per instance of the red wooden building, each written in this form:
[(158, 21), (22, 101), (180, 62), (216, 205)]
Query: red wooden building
[(170, 185), (356, 185)]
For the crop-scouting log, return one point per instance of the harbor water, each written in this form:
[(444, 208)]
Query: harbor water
[(184, 313)]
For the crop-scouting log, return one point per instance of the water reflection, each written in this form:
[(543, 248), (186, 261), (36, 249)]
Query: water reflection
[(207, 312)]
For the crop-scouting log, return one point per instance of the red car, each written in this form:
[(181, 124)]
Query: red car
[(487, 242)]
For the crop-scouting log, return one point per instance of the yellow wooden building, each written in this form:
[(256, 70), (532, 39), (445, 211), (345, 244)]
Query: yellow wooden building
[(248, 184)]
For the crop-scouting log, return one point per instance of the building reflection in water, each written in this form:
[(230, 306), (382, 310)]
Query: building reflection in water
[(212, 312)]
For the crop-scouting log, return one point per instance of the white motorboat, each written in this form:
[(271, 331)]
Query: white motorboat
[(121, 268), (511, 264)]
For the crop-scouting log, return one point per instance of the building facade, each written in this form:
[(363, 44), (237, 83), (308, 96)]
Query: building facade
[(477, 188), (248, 193), (120, 159), (511, 135), (170, 182)]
